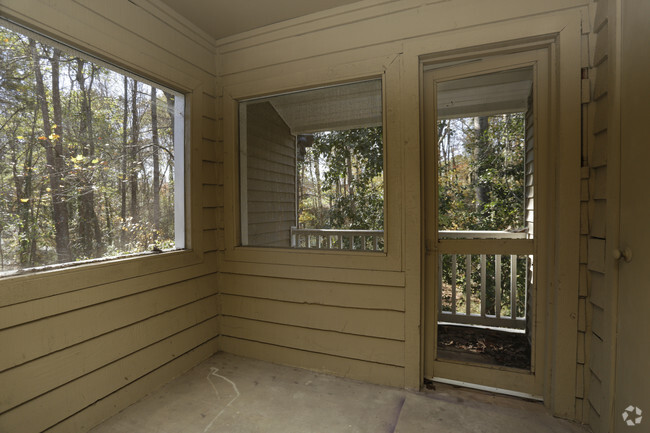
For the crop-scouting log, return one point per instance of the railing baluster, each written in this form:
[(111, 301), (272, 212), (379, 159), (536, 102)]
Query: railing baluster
[(497, 286), (529, 282), (336, 239), (468, 283), (454, 278), (513, 287), (483, 282)]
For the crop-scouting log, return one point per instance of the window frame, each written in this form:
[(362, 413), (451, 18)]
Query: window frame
[(388, 260), (243, 152), (55, 279)]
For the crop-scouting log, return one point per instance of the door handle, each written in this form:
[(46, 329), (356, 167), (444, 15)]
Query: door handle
[(625, 254)]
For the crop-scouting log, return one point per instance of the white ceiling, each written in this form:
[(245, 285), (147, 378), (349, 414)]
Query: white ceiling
[(221, 18)]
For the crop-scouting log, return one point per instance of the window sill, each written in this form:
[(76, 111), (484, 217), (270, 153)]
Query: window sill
[(53, 280)]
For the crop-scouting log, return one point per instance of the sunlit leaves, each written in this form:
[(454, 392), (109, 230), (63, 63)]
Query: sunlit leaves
[(493, 162), (89, 161), (352, 190)]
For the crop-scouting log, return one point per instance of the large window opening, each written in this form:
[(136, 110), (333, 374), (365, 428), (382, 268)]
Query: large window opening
[(91, 157), (312, 169), (485, 217)]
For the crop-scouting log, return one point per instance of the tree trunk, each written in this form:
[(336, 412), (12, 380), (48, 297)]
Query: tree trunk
[(133, 154), (125, 157), (156, 163), (89, 230), (55, 164), (22, 177), (480, 151), (319, 192)]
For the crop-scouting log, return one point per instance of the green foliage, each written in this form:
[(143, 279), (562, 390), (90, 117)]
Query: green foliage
[(342, 182), (90, 155), (481, 173), (481, 187)]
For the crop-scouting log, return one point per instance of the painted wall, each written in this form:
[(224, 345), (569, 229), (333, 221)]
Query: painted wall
[(359, 315), (617, 212), (78, 345), (601, 228), (88, 341)]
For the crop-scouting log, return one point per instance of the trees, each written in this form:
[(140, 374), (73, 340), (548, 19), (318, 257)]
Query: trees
[(76, 140), (342, 180), (481, 187), (481, 173)]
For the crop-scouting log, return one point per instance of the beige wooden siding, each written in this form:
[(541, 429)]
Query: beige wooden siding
[(271, 173), (78, 345), (353, 330), (312, 292), (317, 294), (598, 340)]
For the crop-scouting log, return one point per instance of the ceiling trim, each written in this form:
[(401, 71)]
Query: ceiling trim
[(172, 18), (345, 10)]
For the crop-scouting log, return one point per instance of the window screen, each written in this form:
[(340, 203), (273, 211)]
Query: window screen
[(312, 169)]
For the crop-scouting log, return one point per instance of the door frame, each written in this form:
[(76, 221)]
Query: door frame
[(530, 384)]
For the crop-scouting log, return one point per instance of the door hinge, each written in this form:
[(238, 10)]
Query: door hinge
[(585, 91)]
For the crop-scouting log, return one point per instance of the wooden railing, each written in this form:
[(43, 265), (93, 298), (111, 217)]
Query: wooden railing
[(332, 239), (478, 271)]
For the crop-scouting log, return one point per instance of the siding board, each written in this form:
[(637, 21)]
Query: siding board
[(212, 195), (59, 304), (74, 396), (270, 170), (35, 378), (313, 292), (370, 323), (35, 339), (599, 152), (360, 370), (134, 391), (596, 256), (370, 349), (600, 83), (600, 53)]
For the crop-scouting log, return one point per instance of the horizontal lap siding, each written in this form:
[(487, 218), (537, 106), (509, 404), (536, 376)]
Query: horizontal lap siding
[(211, 175), (61, 364), (598, 339), (270, 177), (341, 328), (74, 353), (347, 321)]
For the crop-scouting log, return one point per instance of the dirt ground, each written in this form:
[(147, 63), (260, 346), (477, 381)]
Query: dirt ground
[(483, 345)]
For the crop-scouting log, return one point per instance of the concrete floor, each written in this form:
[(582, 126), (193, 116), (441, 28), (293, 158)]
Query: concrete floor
[(231, 394)]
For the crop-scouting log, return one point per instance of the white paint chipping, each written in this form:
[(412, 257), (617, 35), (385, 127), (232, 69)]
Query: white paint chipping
[(213, 372)]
